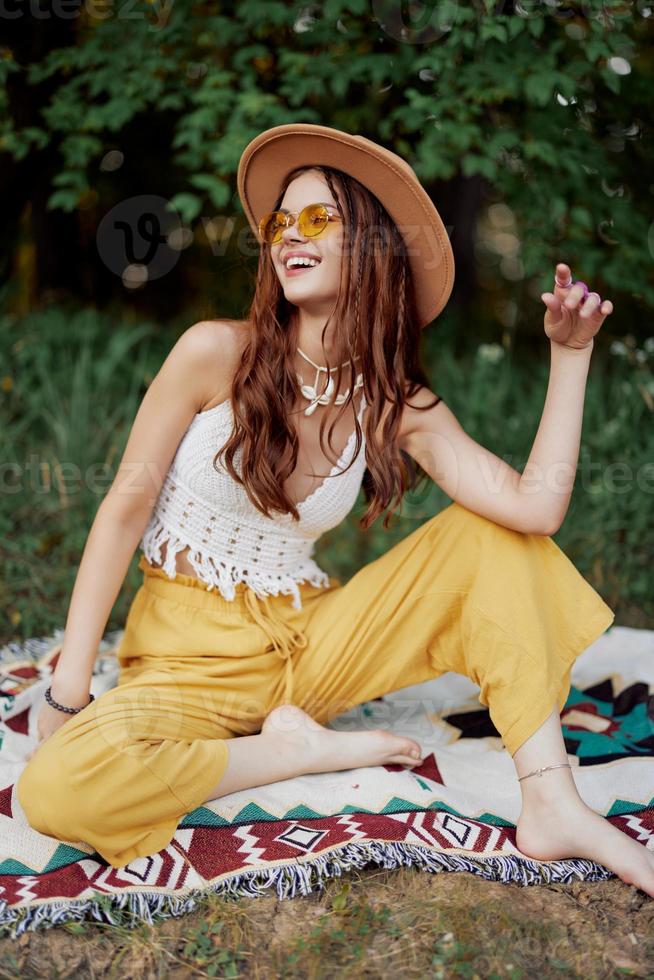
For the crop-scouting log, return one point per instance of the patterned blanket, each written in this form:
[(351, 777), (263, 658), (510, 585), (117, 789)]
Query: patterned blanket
[(457, 812)]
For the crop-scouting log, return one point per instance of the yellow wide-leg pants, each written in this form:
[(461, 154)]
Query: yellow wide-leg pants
[(460, 593)]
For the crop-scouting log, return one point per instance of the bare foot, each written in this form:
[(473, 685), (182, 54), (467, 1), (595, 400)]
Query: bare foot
[(290, 718), (548, 831), (327, 750)]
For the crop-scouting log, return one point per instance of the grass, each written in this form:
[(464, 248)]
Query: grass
[(373, 924), (71, 383)]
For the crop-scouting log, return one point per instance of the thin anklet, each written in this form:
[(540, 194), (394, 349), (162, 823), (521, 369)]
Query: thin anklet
[(539, 772)]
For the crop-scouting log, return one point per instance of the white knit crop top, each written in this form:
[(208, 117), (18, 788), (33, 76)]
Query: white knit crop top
[(230, 541)]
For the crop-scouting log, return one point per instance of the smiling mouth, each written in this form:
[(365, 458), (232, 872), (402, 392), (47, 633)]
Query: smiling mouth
[(295, 269)]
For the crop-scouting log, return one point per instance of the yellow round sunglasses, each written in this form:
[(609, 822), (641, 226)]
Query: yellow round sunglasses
[(312, 221)]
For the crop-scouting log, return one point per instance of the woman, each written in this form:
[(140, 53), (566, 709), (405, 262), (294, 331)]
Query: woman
[(236, 631)]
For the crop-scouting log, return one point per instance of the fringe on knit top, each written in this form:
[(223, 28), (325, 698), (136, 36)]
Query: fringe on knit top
[(202, 508)]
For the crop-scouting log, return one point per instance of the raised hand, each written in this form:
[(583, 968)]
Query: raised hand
[(571, 320)]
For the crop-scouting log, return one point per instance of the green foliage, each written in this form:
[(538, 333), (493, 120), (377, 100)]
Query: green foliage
[(71, 383), (210, 950), (532, 101), (71, 386)]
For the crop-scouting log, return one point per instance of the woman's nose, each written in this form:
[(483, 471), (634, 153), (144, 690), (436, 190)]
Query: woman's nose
[(292, 231)]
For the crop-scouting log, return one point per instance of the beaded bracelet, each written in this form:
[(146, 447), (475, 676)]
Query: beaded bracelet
[(62, 707)]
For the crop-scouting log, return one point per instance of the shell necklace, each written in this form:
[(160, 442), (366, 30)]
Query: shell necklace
[(310, 392)]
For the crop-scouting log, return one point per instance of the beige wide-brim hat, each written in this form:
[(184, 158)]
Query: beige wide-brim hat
[(271, 155)]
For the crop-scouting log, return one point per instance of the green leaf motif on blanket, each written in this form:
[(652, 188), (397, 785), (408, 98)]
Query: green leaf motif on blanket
[(65, 854), (302, 812), (398, 805), (11, 867), (202, 816), (251, 814), (627, 806), (494, 819), (608, 732)]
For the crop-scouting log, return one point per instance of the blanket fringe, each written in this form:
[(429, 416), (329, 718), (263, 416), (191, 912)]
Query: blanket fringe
[(288, 880)]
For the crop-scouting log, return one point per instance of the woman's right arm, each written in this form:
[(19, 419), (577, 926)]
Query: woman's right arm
[(198, 367)]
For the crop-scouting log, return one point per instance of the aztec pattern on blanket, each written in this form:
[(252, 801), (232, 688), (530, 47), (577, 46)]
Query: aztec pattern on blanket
[(457, 812)]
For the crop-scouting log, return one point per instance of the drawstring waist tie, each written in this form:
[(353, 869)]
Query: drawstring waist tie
[(284, 638)]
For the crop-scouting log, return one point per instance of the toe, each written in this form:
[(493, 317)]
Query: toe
[(407, 751), (411, 749), (405, 760)]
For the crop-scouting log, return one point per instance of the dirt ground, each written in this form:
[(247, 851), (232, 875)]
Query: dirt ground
[(371, 923)]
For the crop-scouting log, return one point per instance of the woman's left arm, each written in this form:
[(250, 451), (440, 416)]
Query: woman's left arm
[(536, 500), (571, 323)]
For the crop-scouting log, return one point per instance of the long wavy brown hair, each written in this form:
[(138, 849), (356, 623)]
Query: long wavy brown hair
[(375, 317)]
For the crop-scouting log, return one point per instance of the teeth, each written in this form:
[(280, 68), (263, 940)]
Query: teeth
[(299, 260)]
